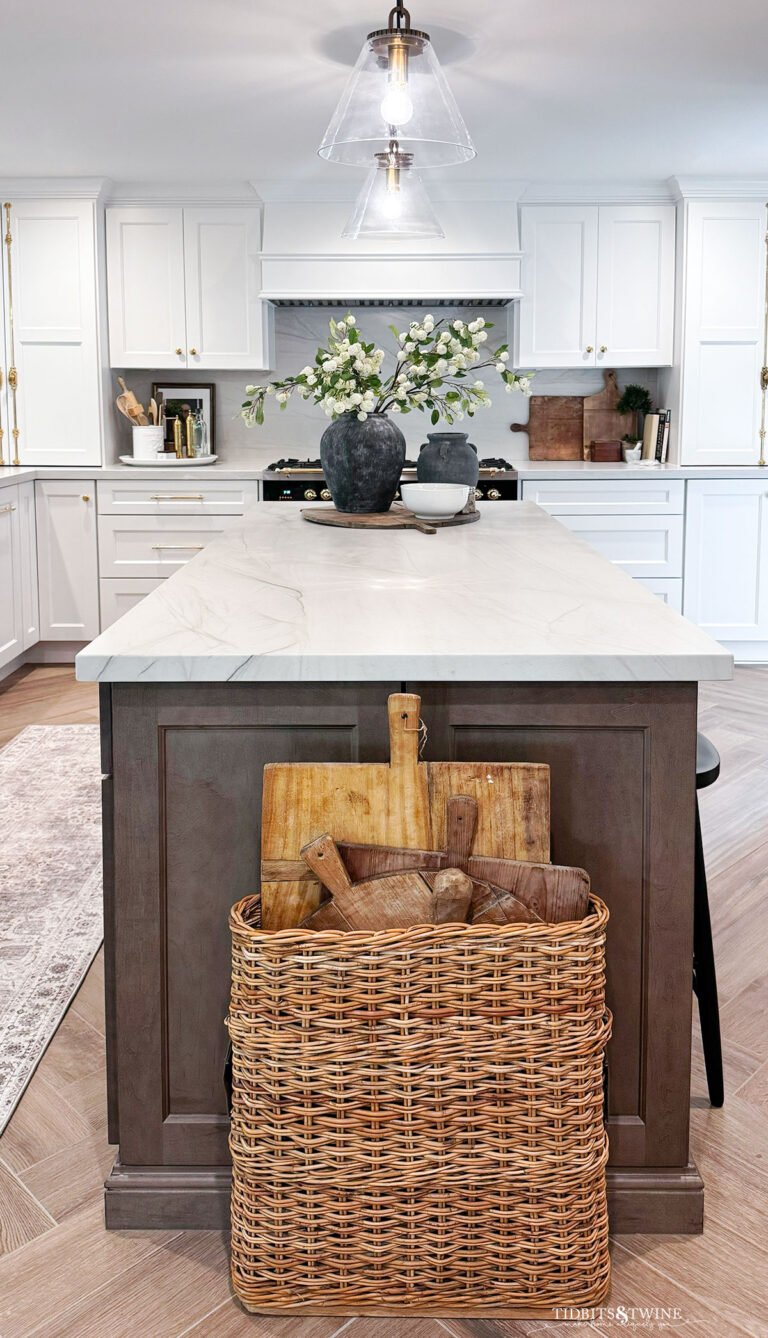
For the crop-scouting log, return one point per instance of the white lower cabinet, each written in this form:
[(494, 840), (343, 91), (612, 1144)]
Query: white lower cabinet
[(120, 594), (18, 566), (726, 562), (10, 567), (155, 545), (669, 591), (641, 545), (68, 559)]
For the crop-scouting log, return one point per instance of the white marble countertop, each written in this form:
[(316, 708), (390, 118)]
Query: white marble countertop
[(516, 597), (588, 469)]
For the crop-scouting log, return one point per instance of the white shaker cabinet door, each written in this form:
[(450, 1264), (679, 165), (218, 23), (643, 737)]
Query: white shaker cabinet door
[(228, 326), (635, 285), (11, 632), (558, 310), (51, 265), (726, 558), (68, 559), (723, 335), (27, 527), (145, 288)]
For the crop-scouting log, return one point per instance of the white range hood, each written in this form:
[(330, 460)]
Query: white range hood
[(306, 261)]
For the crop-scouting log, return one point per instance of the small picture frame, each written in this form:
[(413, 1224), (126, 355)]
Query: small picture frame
[(183, 400)]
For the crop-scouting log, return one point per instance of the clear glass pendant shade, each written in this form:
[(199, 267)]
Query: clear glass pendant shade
[(397, 90), (393, 203)]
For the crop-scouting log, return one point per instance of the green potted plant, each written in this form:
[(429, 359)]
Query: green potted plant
[(362, 450), (636, 400)]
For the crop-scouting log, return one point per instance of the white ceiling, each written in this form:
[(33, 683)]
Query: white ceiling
[(240, 90)]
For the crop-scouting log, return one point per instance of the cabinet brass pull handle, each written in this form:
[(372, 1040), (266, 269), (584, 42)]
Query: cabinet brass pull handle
[(177, 497), (603, 348), (189, 548), (193, 351), (8, 507), (13, 376), (179, 351), (86, 497), (589, 349)]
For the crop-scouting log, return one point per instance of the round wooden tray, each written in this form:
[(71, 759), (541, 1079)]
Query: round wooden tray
[(398, 518)]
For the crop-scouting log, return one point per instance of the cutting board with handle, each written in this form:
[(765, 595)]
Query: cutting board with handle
[(554, 892), (555, 427), (401, 803), (602, 420), (390, 901)]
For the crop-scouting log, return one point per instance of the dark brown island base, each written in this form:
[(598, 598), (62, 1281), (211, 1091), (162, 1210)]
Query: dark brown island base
[(282, 643)]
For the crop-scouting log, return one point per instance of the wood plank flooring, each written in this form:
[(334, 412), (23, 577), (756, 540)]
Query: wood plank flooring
[(62, 1274)]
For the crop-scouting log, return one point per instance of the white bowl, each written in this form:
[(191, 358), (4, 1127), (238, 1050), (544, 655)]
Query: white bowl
[(434, 501)]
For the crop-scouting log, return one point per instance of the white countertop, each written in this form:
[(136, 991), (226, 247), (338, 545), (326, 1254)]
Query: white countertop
[(587, 469), (516, 597)]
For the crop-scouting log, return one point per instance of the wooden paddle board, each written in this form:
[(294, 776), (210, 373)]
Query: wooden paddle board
[(397, 803)]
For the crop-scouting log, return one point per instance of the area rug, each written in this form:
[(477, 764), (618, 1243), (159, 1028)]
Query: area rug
[(50, 889)]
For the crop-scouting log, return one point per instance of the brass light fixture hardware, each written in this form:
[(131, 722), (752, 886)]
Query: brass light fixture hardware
[(764, 371), (13, 379)]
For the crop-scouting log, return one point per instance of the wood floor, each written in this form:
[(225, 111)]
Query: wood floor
[(62, 1274)]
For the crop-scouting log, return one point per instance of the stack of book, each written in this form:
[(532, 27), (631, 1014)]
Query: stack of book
[(656, 436)]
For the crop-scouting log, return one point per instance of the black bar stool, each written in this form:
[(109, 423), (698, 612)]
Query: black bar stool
[(704, 978)]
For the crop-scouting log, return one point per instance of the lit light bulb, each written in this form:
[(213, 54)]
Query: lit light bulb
[(396, 106), (392, 205)]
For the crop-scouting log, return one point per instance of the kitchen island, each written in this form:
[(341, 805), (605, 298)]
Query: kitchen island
[(282, 642)]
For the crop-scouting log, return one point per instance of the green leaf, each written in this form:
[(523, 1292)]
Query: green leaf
[(435, 417)]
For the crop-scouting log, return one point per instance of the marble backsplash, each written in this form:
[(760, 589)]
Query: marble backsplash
[(297, 429)]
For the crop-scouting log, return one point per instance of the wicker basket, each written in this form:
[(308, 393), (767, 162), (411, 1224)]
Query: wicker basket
[(417, 1123)]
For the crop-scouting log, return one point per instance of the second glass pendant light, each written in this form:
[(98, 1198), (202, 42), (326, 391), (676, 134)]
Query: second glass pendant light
[(393, 202)]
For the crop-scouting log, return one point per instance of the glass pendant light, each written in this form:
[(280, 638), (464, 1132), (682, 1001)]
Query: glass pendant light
[(393, 202), (397, 91)]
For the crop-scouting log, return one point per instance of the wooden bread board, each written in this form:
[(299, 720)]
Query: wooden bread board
[(397, 518), (602, 421), (399, 803), (555, 427)]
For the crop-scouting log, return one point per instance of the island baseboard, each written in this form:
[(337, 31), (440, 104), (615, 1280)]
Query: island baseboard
[(665, 1200)]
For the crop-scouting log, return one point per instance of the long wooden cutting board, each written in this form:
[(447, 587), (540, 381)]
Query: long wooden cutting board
[(399, 803)]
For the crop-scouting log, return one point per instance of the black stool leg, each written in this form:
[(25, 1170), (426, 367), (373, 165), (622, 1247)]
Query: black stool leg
[(704, 978)]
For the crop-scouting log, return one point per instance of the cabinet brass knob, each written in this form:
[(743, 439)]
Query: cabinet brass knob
[(179, 351), (193, 352), (589, 349), (86, 497), (603, 348)]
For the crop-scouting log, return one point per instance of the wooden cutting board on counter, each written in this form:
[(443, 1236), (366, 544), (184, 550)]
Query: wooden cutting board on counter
[(555, 427), (397, 803), (562, 427)]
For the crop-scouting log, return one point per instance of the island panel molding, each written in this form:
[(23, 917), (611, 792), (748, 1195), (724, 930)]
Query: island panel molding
[(184, 766)]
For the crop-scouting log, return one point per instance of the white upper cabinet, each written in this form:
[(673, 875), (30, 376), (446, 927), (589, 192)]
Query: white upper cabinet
[(726, 559), (145, 288), (722, 333), (598, 286), (184, 289), (558, 310), (51, 333), (635, 285)]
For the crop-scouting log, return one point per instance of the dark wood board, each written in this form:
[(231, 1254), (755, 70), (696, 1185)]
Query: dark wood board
[(602, 421), (396, 519)]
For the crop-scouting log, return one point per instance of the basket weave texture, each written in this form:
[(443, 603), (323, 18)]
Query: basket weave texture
[(417, 1119)]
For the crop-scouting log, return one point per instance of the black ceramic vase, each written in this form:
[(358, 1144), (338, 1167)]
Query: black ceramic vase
[(448, 457), (362, 462)]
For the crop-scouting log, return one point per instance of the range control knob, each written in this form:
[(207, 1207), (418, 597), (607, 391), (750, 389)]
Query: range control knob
[(310, 495), (397, 495), (493, 495), (479, 494), (325, 495)]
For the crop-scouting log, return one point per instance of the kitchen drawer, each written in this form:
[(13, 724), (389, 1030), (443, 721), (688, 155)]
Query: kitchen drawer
[(179, 497), (155, 545), (120, 594), (669, 590), (605, 497), (641, 545)]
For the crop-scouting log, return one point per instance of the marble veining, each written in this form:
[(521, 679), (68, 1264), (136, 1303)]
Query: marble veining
[(517, 597)]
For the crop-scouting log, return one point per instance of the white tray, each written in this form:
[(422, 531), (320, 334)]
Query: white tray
[(172, 462)]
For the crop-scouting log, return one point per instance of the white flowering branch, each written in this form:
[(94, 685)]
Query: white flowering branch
[(433, 364)]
